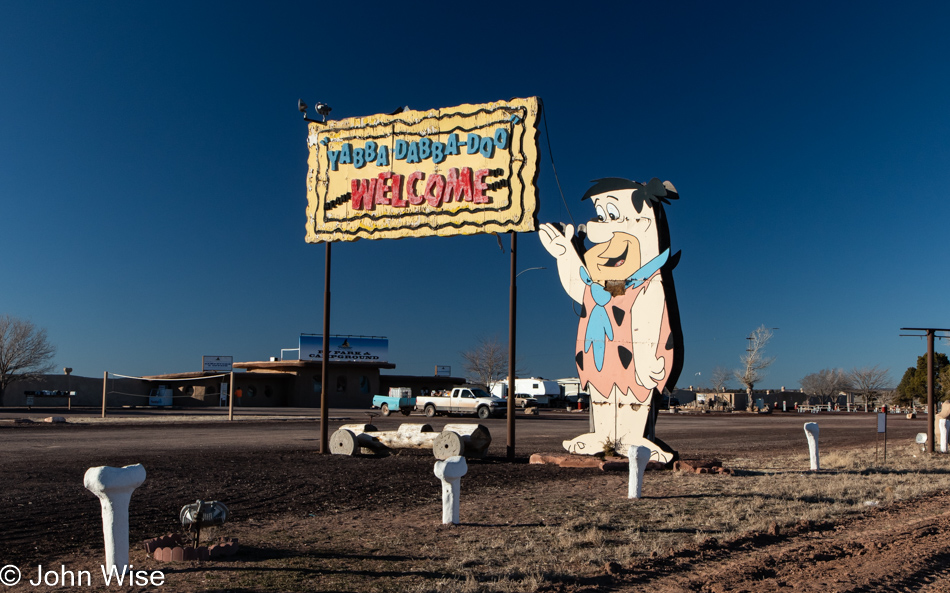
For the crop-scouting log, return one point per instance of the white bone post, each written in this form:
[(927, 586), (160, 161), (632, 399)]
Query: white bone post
[(943, 424), (811, 433), (114, 486), (450, 471), (639, 456)]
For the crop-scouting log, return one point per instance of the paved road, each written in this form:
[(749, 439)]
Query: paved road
[(153, 431)]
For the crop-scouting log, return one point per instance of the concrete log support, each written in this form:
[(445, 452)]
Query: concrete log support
[(450, 472), (114, 486), (811, 433), (942, 426), (639, 457), (941, 420)]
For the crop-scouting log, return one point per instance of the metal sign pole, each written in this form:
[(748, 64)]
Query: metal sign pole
[(512, 318), (324, 375), (105, 379)]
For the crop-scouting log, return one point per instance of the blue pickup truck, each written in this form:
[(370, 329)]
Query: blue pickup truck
[(399, 398)]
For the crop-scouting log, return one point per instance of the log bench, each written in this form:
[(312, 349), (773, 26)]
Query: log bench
[(465, 440)]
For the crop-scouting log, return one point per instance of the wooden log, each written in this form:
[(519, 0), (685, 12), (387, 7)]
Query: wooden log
[(466, 440), (414, 428), (470, 440), (409, 436), (346, 442), (358, 428), (448, 444)]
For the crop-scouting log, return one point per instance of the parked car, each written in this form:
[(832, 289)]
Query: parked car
[(463, 400), (399, 398), (523, 400)]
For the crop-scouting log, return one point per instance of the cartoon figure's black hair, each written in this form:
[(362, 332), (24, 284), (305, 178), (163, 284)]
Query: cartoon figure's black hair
[(653, 191)]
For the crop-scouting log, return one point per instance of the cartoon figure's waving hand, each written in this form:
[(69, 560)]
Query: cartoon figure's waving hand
[(569, 263), (556, 242)]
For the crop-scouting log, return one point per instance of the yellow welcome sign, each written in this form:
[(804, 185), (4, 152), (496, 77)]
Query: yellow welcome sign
[(454, 171)]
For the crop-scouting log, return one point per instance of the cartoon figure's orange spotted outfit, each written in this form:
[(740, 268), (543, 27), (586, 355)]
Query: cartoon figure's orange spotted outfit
[(605, 337)]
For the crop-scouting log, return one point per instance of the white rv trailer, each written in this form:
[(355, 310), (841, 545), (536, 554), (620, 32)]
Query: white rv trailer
[(542, 390)]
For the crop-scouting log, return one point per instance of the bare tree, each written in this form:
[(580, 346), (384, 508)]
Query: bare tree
[(872, 383), (720, 378), (487, 362), (754, 361), (826, 384), (25, 353)]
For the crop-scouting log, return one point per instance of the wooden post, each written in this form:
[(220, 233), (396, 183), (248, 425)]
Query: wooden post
[(325, 363), (105, 379), (231, 398), (931, 408), (512, 319)]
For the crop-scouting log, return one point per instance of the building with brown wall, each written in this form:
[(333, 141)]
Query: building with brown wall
[(291, 383)]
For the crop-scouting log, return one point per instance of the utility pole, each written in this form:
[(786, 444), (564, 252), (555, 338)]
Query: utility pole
[(931, 408)]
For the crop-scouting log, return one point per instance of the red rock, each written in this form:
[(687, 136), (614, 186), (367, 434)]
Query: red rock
[(565, 460), (607, 464), (614, 466), (700, 466)]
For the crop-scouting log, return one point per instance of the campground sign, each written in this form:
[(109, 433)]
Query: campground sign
[(218, 364), (454, 171)]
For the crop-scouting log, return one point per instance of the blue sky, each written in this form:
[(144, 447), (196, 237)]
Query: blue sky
[(153, 163)]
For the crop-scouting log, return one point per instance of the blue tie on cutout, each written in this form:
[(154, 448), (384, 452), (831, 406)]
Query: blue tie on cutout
[(599, 331)]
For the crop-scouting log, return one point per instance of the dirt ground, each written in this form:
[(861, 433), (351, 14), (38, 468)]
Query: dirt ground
[(331, 523)]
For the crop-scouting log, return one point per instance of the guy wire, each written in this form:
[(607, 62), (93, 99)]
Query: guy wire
[(547, 137)]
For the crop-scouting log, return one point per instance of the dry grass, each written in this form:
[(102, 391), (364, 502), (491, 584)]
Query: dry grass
[(579, 534), (521, 541)]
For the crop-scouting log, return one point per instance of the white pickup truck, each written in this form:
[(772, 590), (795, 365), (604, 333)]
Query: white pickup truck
[(463, 400)]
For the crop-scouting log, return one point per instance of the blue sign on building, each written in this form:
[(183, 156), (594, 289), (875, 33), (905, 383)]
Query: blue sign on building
[(345, 348)]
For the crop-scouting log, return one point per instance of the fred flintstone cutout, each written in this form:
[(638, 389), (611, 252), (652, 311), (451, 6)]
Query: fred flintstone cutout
[(629, 341)]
